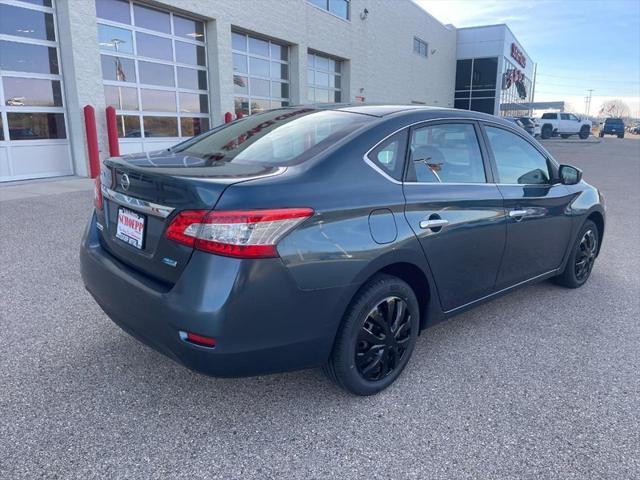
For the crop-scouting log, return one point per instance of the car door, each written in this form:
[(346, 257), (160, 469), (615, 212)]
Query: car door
[(454, 209), (575, 123), (538, 219), (567, 124)]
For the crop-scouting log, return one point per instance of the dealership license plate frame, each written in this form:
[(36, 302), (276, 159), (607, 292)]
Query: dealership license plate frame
[(133, 241)]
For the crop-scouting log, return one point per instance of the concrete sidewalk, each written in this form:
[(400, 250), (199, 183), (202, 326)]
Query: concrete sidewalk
[(39, 188)]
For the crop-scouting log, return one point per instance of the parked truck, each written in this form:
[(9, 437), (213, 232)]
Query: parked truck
[(565, 125)]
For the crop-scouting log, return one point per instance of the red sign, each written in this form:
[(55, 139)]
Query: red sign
[(517, 54)]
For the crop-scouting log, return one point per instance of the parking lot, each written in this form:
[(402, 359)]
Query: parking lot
[(542, 383)]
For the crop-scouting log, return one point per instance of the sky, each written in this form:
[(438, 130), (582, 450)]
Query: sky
[(577, 44)]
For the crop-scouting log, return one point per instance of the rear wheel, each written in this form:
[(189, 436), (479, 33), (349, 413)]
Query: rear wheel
[(584, 132), (376, 337), (601, 135), (546, 131), (621, 135), (582, 259)]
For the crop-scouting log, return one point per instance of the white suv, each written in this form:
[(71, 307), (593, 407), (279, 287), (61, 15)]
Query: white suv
[(565, 125)]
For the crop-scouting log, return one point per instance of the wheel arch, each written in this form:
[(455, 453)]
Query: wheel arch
[(597, 218)]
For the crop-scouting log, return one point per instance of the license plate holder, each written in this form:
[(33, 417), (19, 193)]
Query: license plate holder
[(131, 228)]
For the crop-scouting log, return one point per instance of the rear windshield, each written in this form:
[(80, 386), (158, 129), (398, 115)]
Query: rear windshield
[(278, 137), (613, 120), (525, 120)]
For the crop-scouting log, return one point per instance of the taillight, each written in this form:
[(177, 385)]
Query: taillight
[(236, 233), (97, 194)]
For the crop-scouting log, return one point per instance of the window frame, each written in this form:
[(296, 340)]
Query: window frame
[(552, 164), (327, 10), (418, 42), (5, 109), (404, 135), (249, 75), (172, 63), (488, 171)]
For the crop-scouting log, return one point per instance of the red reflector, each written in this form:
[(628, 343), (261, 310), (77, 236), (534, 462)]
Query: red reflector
[(97, 194), (199, 339)]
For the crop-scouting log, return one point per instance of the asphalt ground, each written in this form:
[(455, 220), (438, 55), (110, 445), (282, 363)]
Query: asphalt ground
[(542, 383)]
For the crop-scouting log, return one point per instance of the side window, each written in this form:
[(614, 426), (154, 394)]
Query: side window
[(446, 153), (565, 116), (549, 116), (390, 154), (517, 160), (573, 117)]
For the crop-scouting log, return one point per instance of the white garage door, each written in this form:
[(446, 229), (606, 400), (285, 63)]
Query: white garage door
[(33, 129)]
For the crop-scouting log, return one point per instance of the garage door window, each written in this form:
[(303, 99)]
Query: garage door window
[(324, 79), (260, 74), (154, 70)]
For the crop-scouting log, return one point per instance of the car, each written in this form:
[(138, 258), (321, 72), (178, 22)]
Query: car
[(330, 236), (565, 125), (530, 125), (515, 121), (612, 126)]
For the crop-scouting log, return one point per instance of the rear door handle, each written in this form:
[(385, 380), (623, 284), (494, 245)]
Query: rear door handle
[(517, 213), (435, 223)]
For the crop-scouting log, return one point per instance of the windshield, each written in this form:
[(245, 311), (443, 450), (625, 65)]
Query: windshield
[(278, 137)]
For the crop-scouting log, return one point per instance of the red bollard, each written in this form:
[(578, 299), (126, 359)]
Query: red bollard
[(228, 118), (112, 132), (239, 114), (92, 141)]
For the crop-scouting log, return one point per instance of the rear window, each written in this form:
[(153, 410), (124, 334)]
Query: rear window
[(549, 116), (278, 137), (613, 120)]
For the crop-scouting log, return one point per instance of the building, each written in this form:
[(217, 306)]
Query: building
[(493, 71), (173, 68)]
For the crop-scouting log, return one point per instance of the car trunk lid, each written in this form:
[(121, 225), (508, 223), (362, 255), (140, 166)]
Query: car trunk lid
[(141, 195)]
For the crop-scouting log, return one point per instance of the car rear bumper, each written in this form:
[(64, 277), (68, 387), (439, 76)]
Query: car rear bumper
[(261, 321)]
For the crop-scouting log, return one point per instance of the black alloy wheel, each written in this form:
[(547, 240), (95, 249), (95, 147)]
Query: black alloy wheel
[(582, 257), (376, 337), (383, 339), (586, 255)]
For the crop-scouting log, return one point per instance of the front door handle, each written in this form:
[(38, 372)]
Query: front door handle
[(435, 223), (517, 214)]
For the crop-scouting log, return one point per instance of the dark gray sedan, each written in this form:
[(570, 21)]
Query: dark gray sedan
[(308, 236)]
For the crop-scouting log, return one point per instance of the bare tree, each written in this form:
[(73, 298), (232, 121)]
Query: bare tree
[(615, 108)]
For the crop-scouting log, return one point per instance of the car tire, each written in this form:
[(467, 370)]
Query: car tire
[(365, 358), (584, 133), (584, 249), (601, 135), (565, 136), (546, 132), (621, 135)]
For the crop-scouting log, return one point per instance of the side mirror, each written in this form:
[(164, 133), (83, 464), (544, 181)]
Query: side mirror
[(570, 175)]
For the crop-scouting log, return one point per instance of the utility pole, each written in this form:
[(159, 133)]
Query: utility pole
[(533, 89), (589, 100)]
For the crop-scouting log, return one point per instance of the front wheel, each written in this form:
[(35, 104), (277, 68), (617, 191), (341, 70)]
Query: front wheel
[(376, 337), (584, 133), (582, 258)]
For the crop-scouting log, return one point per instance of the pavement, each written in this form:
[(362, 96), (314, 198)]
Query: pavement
[(542, 383)]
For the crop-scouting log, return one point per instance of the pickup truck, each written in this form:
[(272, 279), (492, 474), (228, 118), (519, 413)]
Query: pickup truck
[(565, 125)]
